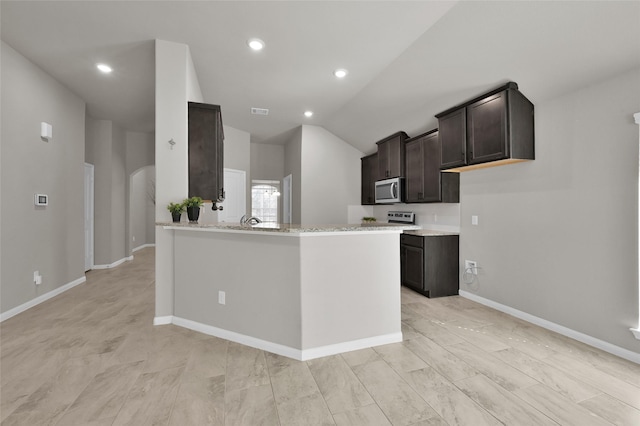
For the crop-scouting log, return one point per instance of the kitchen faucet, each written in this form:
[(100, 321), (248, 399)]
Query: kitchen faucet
[(252, 220)]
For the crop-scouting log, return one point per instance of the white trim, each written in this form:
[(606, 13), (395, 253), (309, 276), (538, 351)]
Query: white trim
[(141, 247), (276, 348), (163, 320), (636, 332), (581, 337), (114, 264), (42, 298), (353, 345)]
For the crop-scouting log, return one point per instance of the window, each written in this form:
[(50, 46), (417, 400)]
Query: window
[(264, 199)]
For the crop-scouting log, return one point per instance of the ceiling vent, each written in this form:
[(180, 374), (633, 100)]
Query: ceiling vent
[(259, 111)]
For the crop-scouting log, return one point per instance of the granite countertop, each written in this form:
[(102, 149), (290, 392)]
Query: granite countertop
[(429, 232), (290, 228)]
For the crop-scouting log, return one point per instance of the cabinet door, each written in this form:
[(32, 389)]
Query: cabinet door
[(431, 170), (205, 140), (487, 129), (453, 137), (369, 176), (396, 157), (415, 171), (412, 267), (383, 160)]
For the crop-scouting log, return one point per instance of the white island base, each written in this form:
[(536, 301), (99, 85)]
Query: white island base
[(296, 293)]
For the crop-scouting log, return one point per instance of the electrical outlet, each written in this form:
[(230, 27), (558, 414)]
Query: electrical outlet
[(37, 278), (221, 297), (134, 238), (471, 264), (474, 220)]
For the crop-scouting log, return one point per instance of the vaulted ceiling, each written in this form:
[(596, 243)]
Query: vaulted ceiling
[(407, 60)]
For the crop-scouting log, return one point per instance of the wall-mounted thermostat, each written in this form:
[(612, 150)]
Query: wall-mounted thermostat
[(41, 200)]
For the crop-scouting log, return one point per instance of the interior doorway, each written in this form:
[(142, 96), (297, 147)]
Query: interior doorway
[(89, 171), (235, 203)]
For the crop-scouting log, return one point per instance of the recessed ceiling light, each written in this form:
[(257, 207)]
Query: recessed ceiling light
[(308, 114), (104, 68), (340, 73), (255, 44)]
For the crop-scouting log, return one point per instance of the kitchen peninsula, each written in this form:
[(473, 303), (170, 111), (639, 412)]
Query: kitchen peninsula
[(294, 290)]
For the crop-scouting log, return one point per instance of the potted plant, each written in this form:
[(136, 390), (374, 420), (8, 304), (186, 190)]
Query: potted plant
[(176, 210), (368, 219), (193, 208)]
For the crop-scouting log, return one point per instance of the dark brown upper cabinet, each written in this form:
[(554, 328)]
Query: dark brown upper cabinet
[(206, 152), (391, 156), (425, 183), (369, 178), (492, 129)]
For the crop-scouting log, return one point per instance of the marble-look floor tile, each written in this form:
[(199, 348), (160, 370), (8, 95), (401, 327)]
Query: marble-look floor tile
[(370, 415), (362, 356), (338, 384), (474, 333), (559, 408), (502, 404), (251, 406), (492, 367), (440, 359), (554, 378), (208, 358), (434, 331), (612, 410), (308, 410), (399, 357), (401, 404), (104, 396), (199, 402), (151, 398), (613, 386), (293, 383), (246, 367), (447, 400)]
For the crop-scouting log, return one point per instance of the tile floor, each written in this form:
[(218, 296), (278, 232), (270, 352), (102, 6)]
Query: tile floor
[(92, 357)]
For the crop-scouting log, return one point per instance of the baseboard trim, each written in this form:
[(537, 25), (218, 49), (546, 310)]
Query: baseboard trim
[(560, 329), (163, 320), (353, 345), (276, 348), (636, 332), (114, 264), (142, 247), (40, 299)]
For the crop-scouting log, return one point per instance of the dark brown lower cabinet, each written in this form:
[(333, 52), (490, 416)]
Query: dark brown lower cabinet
[(429, 264)]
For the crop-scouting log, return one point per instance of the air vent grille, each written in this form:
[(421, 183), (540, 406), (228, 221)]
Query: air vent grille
[(259, 111)]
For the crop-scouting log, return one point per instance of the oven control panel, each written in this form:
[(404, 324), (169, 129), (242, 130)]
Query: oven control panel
[(401, 217)]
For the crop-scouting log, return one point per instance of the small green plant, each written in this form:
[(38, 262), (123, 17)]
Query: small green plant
[(192, 202), (176, 208), (368, 219)]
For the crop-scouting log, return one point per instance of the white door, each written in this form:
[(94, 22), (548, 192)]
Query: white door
[(88, 216), (286, 199), (235, 200)]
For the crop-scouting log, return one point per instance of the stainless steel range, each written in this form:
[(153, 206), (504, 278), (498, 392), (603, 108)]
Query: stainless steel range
[(401, 217)]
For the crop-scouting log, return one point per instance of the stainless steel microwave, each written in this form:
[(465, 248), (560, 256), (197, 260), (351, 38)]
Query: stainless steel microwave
[(389, 190)]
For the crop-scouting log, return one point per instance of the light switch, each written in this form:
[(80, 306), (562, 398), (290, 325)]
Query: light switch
[(474, 220)]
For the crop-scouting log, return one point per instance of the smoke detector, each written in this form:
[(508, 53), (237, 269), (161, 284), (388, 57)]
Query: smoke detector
[(259, 111)]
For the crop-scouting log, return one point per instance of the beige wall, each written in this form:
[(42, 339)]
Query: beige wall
[(47, 239), (558, 237)]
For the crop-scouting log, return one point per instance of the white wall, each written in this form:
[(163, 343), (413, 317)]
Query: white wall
[(330, 177), (293, 167), (105, 147), (176, 84), (48, 239), (267, 161), (558, 237), (142, 209), (140, 154)]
